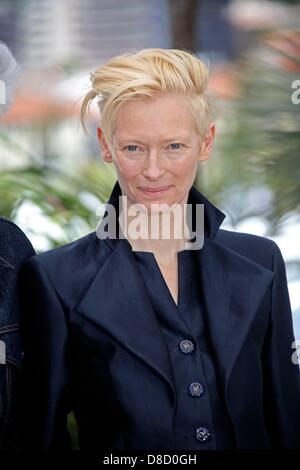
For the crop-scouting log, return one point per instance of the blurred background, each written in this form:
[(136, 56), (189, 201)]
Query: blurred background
[(53, 182)]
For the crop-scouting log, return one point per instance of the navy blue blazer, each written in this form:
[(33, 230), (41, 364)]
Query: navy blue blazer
[(92, 343)]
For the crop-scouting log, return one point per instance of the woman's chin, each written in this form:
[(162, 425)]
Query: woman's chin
[(157, 205)]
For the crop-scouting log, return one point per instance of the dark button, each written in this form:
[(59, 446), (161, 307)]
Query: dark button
[(186, 346), (202, 434), (196, 389)]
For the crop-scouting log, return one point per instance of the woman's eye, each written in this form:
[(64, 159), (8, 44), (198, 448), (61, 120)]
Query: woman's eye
[(131, 148), (176, 144), (135, 148)]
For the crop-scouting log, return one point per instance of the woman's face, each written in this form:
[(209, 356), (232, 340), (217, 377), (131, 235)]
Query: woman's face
[(156, 150)]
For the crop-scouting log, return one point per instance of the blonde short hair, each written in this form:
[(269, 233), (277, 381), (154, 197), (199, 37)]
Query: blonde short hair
[(146, 74)]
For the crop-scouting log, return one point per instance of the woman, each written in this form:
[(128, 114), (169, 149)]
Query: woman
[(155, 342)]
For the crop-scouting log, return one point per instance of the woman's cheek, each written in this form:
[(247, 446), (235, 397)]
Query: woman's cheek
[(125, 167), (186, 166)]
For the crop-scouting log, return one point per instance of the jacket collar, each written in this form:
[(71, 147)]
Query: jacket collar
[(117, 301)]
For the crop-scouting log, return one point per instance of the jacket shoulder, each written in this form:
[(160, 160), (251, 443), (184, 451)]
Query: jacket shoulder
[(261, 250), (15, 247), (71, 267), (71, 251)]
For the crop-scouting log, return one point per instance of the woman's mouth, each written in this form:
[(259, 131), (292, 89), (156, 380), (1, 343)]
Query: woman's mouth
[(154, 190)]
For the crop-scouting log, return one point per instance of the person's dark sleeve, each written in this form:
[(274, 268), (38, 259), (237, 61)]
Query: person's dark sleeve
[(44, 402), (281, 371), (15, 249)]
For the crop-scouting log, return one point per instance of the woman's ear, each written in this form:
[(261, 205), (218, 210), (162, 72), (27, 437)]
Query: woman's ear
[(104, 147), (207, 143)]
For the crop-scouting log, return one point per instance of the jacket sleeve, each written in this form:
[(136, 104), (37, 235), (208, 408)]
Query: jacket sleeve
[(15, 249), (45, 372), (281, 371)]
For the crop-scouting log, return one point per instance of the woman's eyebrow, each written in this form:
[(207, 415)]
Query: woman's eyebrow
[(133, 139)]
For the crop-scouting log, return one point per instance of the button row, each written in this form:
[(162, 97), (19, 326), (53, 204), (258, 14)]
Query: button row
[(196, 389)]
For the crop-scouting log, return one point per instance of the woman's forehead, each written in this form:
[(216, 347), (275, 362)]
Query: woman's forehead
[(167, 118), (164, 137)]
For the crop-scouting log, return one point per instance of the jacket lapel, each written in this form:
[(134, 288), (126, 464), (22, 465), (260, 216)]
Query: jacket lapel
[(233, 287), (118, 303)]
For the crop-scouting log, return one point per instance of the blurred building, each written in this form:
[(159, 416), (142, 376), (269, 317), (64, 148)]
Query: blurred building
[(85, 33), (204, 27), (8, 23)]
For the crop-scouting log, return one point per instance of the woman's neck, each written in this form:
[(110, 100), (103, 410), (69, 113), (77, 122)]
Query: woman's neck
[(163, 234)]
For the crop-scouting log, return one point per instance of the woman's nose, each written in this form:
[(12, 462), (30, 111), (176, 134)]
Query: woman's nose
[(154, 166)]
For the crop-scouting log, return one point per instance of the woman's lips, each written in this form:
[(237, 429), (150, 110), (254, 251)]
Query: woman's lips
[(159, 190)]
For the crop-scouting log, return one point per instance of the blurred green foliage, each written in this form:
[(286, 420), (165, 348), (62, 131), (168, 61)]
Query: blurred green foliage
[(67, 199), (72, 428), (259, 142)]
